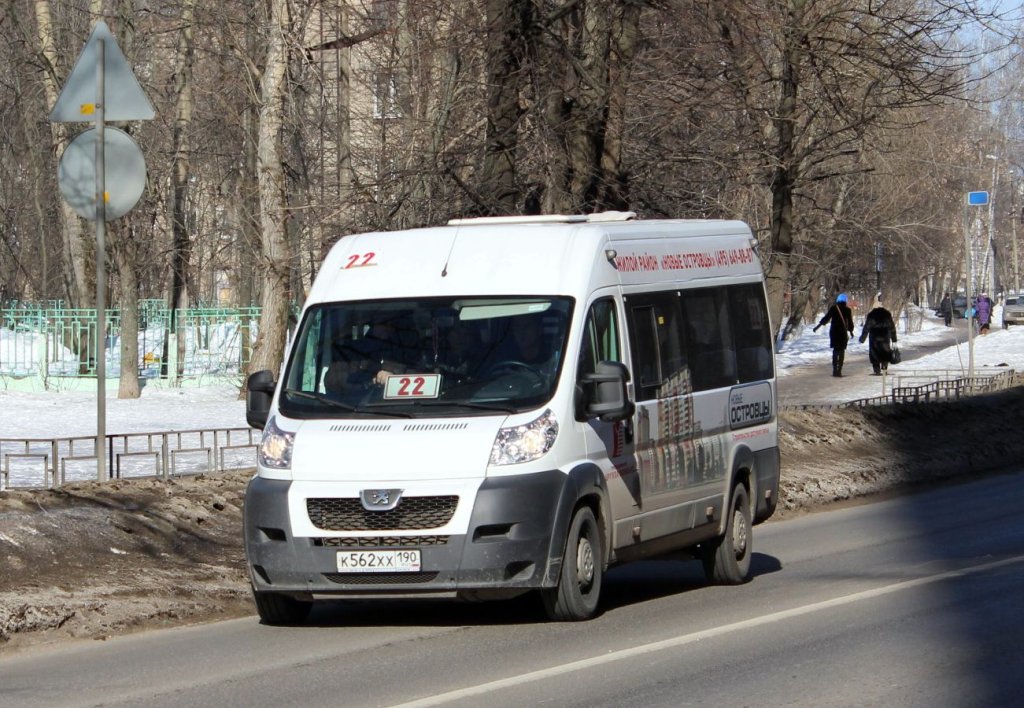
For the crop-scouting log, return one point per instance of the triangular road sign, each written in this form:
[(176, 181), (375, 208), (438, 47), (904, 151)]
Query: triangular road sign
[(124, 97)]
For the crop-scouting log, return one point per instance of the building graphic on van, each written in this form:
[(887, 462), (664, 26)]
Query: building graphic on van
[(680, 454)]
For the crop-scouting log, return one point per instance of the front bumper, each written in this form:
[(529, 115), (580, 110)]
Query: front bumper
[(507, 547)]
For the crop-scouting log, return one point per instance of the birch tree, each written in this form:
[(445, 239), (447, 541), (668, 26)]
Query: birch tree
[(78, 286)]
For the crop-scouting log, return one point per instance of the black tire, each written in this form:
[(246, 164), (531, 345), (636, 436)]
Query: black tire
[(277, 609), (579, 584), (726, 559)]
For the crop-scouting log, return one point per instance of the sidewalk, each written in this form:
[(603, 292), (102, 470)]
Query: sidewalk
[(815, 385)]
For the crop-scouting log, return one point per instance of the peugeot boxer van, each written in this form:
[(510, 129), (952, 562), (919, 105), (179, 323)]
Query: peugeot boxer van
[(514, 404)]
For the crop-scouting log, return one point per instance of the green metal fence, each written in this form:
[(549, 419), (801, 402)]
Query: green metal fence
[(47, 341)]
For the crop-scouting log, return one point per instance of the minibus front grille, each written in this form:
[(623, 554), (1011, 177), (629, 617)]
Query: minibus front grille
[(381, 541), (348, 514), (380, 578)]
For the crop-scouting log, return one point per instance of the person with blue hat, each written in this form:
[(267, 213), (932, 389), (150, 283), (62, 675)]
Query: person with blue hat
[(840, 320)]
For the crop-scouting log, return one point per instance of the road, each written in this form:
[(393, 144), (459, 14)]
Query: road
[(911, 601)]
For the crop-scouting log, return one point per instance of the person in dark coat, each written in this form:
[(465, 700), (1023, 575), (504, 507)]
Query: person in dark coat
[(840, 320), (946, 310), (880, 331)]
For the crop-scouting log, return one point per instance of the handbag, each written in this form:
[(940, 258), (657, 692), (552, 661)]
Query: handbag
[(896, 356)]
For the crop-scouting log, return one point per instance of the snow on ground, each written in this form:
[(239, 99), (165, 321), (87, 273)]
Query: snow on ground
[(73, 413), (1000, 347), (67, 414)]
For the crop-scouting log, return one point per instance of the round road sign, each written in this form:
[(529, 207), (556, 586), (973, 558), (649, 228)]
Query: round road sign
[(125, 173)]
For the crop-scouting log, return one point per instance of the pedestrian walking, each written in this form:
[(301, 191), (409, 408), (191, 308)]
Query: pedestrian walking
[(983, 311), (946, 310), (840, 320), (880, 331)]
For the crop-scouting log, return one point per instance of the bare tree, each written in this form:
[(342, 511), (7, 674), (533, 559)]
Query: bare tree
[(79, 288), (508, 27), (276, 255), (582, 83), (181, 147)]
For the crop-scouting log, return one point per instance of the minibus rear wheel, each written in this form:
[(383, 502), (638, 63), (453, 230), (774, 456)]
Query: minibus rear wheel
[(727, 558), (277, 609), (579, 585)]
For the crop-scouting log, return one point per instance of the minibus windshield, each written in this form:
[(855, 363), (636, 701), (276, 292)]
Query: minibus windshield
[(426, 357)]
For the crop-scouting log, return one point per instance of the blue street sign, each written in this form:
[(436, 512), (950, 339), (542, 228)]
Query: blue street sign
[(977, 198)]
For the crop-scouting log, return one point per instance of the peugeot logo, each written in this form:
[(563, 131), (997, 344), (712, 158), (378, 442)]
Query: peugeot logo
[(380, 499)]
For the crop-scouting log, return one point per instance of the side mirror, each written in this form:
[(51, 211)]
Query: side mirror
[(604, 393), (258, 395)]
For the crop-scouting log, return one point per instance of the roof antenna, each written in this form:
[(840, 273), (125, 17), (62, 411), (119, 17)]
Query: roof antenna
[(444, 271)]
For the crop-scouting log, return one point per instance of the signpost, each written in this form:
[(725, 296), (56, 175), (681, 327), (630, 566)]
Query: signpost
[(101, 73), (973, 199), (879, 253)]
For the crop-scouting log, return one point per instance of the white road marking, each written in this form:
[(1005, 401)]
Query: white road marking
[(583, 664)]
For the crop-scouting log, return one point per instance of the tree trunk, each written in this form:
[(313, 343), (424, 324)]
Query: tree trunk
[(182, 244), (785, 170), (125, 251), (507, 24), (79, 286), (586, 105), (276, 259), (613, 188)]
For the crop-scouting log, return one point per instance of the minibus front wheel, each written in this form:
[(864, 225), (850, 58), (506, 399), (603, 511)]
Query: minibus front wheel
[(727, 558), (579, 584), (277, 609)]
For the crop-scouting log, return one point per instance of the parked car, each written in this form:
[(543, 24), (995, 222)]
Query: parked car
[(1013, 310)]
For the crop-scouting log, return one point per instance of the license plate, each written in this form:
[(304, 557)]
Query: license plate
[(378, 561)]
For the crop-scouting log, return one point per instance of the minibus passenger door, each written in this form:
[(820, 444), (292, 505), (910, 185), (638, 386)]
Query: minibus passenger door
[(604, 408)]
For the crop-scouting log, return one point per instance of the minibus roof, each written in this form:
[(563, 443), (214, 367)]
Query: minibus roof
[(538, 255)]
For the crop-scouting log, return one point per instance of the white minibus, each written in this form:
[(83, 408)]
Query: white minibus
[(513, 404)]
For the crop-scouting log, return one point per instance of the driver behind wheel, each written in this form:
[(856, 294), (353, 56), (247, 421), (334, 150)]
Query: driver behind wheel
[(525, 345)]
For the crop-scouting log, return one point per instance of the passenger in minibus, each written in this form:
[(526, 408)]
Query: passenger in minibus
[(370, 359)]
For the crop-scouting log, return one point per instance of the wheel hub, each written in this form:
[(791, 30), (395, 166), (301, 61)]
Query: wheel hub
[(585, 562), (739, 534)]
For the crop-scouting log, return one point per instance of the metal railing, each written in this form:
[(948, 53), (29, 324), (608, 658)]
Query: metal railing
[(50, 342), (941, 389), (53, 462), (929, 386)]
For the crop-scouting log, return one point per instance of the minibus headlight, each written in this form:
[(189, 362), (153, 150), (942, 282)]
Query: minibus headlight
[(523, 443), (275, 450)]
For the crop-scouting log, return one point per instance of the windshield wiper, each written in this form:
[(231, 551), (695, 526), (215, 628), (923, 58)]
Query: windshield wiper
[(322, 398), (319, 398)]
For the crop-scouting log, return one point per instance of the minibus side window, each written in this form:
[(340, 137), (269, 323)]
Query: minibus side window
[(646, 357), (600, 337), (752, 333), (307, 372), (709, 338), (659, 349)]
